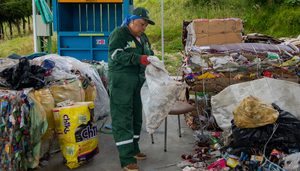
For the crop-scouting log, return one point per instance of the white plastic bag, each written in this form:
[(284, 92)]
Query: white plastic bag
[(158, 93), (291, 162)]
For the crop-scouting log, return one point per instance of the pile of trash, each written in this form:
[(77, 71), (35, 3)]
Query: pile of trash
[(262, 137), (31, 87), (261, 38), (17, 145), (246, 94)]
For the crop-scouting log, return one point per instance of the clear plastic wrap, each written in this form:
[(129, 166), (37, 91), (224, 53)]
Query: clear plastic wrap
[(72, 91), (7, 62), (57, 74), (71, 65), (45, 98)]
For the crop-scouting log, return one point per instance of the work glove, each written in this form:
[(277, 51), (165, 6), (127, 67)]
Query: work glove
[(144, 60)]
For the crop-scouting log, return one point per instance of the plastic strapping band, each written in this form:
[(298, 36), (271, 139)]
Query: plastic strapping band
[(278, 49), (240, 48), (255, 51), (226, 49), (257, 61), (200, 52), (294, 47)]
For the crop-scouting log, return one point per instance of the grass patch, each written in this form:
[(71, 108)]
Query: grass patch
[(172, 61), (275, 18), (18, 45), (22, 46)]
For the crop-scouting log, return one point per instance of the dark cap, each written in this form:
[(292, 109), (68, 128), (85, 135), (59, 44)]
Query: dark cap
[(142, 12)]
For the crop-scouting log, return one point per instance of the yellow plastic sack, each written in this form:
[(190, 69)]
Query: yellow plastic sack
[(206, 75), (77, 133), (72, 91), (294, 61), (253, 112), (44, 97), (89, 90)]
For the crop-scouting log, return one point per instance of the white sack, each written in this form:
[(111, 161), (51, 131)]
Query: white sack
[(283, 93), (158, 93)]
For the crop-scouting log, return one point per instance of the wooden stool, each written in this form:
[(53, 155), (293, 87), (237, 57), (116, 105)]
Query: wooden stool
[(177, 109)]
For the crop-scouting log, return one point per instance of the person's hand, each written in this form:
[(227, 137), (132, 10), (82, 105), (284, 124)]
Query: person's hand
[(144, 60)]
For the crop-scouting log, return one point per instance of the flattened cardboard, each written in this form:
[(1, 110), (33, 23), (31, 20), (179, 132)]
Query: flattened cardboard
[(233, 26), (233, 38), (221, 38), (216, 39), (201, 27), (201, 39), (216, 26), (218, 32)]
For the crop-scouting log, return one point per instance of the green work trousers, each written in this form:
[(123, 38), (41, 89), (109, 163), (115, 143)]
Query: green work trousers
[(126, 114)]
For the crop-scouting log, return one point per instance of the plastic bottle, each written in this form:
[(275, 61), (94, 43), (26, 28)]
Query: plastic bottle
[(11, 135), (186, 156), (215, 142), (13, 104), (44, 163), (184, 163), (29, 156), (17, 135), (5, 107), (199, 164), (10, 167), (16, 164), (23, 110), (194, 160), (232, 162)]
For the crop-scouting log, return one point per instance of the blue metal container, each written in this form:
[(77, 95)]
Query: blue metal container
[(83, 28)]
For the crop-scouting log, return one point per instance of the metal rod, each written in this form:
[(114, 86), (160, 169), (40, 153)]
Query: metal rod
[(94, 17), (108, 17), (230, 75), (203, 86), (179, 126), (152, 139), (201, 128), (166, 133), (101, 17), (162, 30), (34, 26), (79, 16), (87, 17)]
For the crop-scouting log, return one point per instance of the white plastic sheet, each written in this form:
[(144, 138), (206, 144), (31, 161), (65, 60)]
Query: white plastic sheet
[(283, 93), (158, 93)]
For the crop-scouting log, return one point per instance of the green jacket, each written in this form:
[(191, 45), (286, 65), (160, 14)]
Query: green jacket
[(125, 51)]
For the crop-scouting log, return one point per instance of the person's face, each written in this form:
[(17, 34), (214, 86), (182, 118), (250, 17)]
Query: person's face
[(138, 26)]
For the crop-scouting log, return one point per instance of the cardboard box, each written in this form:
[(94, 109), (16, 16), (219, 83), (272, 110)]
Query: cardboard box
[(218, 31)]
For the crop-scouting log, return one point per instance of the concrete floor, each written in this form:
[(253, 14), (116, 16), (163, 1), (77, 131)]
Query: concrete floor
[(157, 159)]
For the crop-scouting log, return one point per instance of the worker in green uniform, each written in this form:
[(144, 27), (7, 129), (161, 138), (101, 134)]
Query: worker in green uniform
[(128, 51)]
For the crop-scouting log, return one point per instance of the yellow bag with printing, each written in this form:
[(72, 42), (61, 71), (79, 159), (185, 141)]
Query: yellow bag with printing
[(77, 133)]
